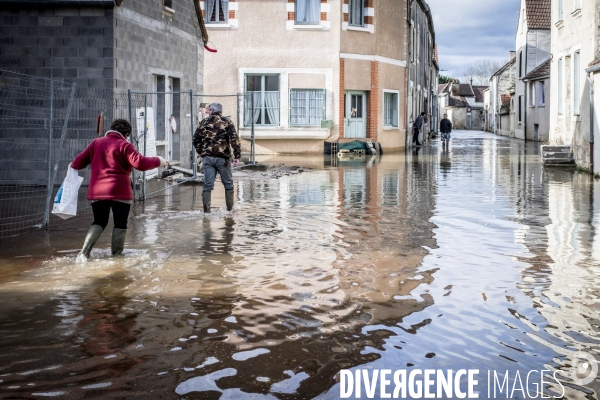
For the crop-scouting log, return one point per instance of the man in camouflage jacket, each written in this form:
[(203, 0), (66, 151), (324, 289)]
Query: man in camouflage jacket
[(214, 140)]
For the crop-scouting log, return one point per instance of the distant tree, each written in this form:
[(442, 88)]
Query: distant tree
[(481, 71), (445, 79)]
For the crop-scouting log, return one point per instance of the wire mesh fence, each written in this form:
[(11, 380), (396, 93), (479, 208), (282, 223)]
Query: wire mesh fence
[(45, 123)]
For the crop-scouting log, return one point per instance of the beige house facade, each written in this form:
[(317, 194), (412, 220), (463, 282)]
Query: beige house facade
[(315, 70)]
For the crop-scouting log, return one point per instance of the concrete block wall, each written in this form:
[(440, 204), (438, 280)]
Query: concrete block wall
[(149, 41), (71, 44)]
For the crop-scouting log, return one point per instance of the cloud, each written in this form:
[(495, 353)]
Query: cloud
[(470, 30)]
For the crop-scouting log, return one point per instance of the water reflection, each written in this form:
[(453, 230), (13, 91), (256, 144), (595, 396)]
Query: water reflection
[(466, 256)]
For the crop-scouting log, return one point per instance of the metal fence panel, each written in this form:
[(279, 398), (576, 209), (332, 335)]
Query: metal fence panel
[(45, 123)]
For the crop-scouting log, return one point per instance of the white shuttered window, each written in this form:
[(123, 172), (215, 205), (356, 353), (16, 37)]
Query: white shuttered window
[(576, 84), (560, 86)]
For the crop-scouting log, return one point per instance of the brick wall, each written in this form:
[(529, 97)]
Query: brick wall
[(373, 103), (342, 102)]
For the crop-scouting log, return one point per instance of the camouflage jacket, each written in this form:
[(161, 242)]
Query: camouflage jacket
[(216, 137)]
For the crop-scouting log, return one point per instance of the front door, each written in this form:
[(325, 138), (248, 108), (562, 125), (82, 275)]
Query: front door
[(356, 116)]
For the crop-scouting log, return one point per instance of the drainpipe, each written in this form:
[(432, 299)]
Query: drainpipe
[(408, 62), (590, 79), (526, 105)]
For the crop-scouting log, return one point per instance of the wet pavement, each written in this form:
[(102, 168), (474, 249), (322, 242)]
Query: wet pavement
[(467, 257)]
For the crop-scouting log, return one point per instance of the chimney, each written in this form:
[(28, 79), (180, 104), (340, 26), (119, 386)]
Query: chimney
[(471, 82), (512, 54)]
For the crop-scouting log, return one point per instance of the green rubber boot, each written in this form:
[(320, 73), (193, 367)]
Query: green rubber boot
[(229, 199), (118, 241), (90, 240), (206, 201)]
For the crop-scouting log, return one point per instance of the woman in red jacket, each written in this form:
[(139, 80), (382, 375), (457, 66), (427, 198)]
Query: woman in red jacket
[(112, 159)]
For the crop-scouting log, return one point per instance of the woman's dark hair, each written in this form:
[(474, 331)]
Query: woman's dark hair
[(122, 126)]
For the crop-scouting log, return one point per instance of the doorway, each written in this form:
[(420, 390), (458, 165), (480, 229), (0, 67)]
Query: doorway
[(356, 119)]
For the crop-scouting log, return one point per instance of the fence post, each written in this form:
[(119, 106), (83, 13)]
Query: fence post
[(145, 144), (49, 187), (135, 141), (194, 155), (252, 129), (59, 151)]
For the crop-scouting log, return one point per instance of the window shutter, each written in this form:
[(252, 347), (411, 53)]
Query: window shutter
[(576, 84), (561, 10), (560, 86)]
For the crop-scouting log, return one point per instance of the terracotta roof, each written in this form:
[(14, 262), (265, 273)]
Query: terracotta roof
[(538, 14), (505, 67), (542, 70)]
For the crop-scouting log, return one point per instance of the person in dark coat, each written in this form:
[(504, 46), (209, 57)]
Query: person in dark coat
[(445, 129), (417, 128), (218, 144)]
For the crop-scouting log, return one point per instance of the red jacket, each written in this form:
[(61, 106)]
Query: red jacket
[(112, 158)]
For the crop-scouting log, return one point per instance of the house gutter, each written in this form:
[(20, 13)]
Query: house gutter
[(59, 3), (591, 71)]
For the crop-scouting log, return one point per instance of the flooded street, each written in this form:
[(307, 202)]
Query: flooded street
[(471, 257)]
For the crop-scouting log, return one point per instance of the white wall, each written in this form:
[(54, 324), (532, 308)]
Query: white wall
[(575, 33)]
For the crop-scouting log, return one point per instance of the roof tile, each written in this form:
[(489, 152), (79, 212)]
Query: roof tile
[(538, 14)]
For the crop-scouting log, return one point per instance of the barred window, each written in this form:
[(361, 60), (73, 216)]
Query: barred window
[(307, 106), (390, 109)]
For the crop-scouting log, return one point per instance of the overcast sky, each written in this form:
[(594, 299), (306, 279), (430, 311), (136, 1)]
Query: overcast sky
[(470, 30)]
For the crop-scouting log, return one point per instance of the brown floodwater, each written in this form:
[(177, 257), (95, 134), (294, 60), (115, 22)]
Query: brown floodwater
[(471, 257)]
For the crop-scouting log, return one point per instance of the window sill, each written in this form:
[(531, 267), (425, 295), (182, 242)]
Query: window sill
[(391, 128), (168, 11), (560, 24), (576, 13), (308, 27), (218, 26), (277, 132)]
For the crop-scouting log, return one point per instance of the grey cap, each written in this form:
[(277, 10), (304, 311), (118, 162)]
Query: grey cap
[(216, 107)]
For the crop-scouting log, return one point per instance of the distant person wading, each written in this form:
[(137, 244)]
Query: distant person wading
[(112, 158), (417, 128), (217, 143)]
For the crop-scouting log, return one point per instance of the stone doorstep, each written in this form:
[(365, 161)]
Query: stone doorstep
[(556, 149), (557, 155), (553, 161)]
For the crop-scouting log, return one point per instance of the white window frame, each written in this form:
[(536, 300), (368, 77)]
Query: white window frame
[(397, 94), (219, 4), (323, 106), (576, 5), (540, 91), (263, 107)]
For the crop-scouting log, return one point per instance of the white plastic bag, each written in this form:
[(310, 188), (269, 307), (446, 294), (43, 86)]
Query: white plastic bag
[(65, 202)]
